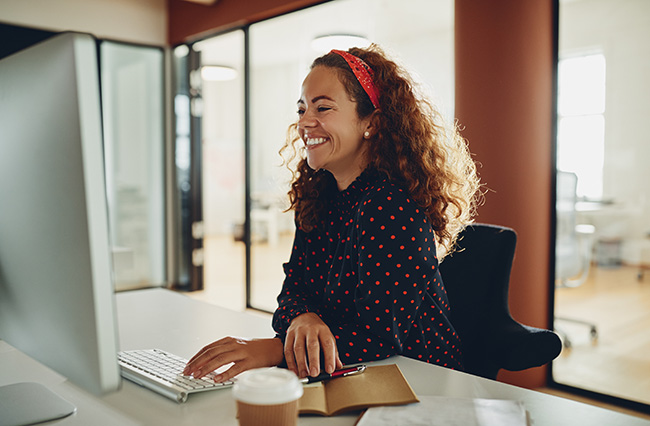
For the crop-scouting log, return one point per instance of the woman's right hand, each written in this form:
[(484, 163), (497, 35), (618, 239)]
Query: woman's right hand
[(244, 354), (307, 337)]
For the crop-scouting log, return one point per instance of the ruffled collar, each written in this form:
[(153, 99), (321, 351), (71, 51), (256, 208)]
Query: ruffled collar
[(350, 195)]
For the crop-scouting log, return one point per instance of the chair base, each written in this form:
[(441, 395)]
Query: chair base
[(566, 341)]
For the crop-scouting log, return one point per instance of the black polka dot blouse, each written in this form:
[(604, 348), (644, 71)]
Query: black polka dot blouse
[(370, 271)]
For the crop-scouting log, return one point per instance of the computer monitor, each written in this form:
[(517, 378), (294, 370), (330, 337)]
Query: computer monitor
[(57, 301)]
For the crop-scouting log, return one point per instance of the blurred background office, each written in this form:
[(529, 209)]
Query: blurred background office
[(194, 120)]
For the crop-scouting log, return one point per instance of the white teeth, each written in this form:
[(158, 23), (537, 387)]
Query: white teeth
[(315, 141)]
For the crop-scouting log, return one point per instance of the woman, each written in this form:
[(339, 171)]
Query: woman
[(384, 185)]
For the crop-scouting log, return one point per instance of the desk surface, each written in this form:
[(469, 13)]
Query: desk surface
[(174, 322)]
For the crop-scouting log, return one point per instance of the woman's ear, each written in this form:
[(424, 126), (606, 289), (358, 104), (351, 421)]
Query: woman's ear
[(371, 125)]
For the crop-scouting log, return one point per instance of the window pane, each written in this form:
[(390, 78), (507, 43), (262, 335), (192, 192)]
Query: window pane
[(581, 127), (581, 85), (132, 97), (581, 149)]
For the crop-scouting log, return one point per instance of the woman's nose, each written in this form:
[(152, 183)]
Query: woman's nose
[(306, 119)]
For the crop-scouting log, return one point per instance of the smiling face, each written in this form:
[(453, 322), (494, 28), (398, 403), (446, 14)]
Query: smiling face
[(330, 126)]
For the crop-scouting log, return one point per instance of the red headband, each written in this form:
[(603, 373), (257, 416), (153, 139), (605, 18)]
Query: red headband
[(363, 73)]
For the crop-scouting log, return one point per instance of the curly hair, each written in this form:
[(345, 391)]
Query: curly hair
[(411, 143)]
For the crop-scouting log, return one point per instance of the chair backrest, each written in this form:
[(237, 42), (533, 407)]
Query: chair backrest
[(476, 278)]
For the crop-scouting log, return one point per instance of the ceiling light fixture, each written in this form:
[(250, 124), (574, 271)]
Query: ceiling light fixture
[(325, 43), (181, 51), (218, 73)]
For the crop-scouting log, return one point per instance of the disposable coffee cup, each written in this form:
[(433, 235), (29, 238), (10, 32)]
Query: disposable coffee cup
[(267, 396)]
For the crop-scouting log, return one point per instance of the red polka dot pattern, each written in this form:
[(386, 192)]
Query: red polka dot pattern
[(370, 271)]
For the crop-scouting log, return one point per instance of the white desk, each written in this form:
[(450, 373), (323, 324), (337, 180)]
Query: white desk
[(174, 322)]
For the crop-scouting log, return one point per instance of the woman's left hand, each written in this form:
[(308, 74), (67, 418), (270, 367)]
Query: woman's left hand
[(245, 354), (307, 338)]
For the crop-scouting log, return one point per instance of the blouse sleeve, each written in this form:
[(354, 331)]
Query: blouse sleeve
[(396, 265), (295, 298)]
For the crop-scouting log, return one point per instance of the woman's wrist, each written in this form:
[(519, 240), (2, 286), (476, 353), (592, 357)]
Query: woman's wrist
[(275, 350)]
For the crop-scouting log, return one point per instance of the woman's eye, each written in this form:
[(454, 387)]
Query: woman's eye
[(302, 111)]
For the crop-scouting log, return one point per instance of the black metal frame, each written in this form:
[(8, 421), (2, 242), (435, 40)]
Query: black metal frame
[(196, 186), (247, 164)]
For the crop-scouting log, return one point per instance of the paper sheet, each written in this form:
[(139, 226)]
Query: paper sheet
[(447, 411)]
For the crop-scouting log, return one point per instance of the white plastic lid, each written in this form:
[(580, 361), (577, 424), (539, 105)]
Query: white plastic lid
[(267, 386)]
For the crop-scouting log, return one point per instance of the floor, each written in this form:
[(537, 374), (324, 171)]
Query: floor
[(618, 304), (612, 298), (225, 266), (598, 403)]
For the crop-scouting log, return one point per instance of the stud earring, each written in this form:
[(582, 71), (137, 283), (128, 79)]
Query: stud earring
[(366, 135)]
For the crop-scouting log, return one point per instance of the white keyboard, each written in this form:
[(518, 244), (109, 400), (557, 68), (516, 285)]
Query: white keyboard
[(162, 372)]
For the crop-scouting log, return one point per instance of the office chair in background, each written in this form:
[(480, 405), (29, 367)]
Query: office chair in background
[(477, 279), (573, 243), (573, 247)]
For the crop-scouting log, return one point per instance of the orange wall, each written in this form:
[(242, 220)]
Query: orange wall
[(189, 21), (504, 101), (504, 69)]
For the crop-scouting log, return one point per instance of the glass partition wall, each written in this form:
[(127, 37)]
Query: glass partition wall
[(133, 113), (602, 297), (219, 84), (247, 232)]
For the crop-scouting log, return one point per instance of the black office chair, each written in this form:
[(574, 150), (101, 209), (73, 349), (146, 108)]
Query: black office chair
[(477, 278)]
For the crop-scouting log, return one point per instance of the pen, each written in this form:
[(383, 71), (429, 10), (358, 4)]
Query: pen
[(338, 373)]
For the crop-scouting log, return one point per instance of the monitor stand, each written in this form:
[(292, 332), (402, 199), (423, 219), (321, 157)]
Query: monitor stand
[(31, 403)]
